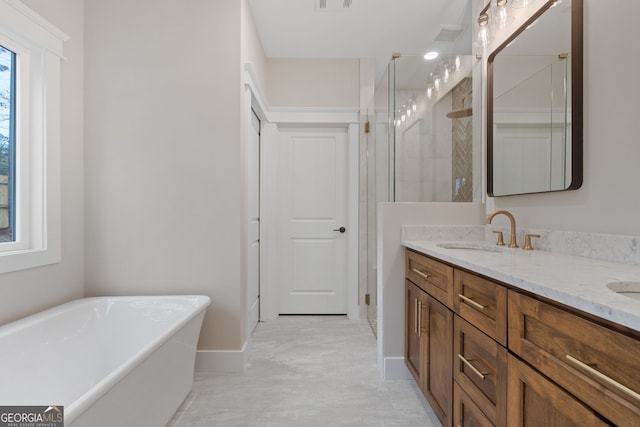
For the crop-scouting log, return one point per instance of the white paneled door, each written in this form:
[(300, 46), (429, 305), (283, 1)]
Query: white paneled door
[(312, 212), (253, 235)]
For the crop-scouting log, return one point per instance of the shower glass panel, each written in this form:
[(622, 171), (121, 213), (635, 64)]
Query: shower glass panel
[(432, 142), (377, 185), (420, 146)]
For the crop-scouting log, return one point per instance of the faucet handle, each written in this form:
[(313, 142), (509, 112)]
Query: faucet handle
[(527, 241), (500, 241)]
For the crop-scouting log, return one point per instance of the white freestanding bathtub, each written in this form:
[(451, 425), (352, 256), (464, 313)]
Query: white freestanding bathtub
[(110, 361)]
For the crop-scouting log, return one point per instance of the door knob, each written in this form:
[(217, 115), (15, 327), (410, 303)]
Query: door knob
[(341, 229)]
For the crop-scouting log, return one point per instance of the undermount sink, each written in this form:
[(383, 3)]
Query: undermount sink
[(627, 289), (475, 246)]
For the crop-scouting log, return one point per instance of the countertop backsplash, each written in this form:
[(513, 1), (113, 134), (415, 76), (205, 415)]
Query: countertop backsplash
[(606, 247)]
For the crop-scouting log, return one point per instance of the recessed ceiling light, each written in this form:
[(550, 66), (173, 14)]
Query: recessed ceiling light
[(430, 55)]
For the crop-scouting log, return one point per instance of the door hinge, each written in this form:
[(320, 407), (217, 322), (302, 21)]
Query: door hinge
[(367, 126), (367, 299)]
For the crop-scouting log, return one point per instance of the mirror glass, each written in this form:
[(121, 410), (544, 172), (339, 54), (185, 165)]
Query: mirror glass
[(534, 100), (433, 156)]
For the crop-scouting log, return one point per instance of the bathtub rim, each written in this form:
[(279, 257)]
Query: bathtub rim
[(91, 395)]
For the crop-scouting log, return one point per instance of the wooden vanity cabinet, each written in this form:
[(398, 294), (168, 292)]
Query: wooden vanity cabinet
[(465, 412), (535, 401), (482, 303), (428, 349), (480, 370), (431, 276), (495, 356), (414, 345), (428, 339), (597, 365)]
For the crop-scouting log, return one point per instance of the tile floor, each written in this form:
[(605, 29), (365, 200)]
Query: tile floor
[(306, 371)]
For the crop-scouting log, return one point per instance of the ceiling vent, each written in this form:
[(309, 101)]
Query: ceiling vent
[(448, 33), (325, 5)]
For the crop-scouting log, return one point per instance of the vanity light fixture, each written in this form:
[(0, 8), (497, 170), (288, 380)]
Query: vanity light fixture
[(403, 113), (517, 4), (502, 15), (445, 73), (483, 26)]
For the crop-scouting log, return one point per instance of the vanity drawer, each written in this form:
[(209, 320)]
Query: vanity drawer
[(431, 276), (599, 366), (535, 401), (465, 412), (480, 368), (482, 303)]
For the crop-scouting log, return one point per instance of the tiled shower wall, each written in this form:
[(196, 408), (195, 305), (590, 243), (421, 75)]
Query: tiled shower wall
[(462, 145)]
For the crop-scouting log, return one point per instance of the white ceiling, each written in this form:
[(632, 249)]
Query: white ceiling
[(368, 29)]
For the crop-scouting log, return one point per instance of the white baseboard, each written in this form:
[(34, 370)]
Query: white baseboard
[(209, 361), (395, 369)]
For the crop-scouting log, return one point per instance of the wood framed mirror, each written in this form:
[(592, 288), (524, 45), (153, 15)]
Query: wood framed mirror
[(534, 104)]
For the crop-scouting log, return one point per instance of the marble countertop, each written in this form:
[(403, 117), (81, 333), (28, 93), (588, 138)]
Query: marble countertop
[(575, 281)]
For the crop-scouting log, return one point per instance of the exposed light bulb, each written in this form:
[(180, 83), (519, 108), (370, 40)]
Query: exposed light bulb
[(457, 63), (436, 83), (483, 36), (483, 23), (430, 55), (414, 107), (502, 15)]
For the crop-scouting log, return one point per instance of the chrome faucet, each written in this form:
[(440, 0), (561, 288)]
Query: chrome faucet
[(512, 240)]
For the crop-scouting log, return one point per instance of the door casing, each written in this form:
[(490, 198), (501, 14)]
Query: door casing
[(268, 202)]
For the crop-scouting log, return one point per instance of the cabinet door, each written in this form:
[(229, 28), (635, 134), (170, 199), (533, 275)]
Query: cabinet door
[(534, 401), (438, 382), (414, 344)]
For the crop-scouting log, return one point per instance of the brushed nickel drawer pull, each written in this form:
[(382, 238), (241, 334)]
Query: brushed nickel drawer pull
[(471, 302), (420, 273), (473, 368), (604, 378)]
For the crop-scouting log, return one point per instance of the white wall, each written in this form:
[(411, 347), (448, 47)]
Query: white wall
[(28, 291), (252, 56), (164, 183), (391, 265), (313, 82), (608, 201), (252, 50)]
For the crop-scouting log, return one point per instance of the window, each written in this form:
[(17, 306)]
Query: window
[(7, 144), (30, 53)]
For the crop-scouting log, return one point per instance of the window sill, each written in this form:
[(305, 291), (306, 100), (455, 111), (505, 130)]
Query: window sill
[(28, 258)]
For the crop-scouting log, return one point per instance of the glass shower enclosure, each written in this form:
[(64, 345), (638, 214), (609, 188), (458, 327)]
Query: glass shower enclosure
[(420, 146)]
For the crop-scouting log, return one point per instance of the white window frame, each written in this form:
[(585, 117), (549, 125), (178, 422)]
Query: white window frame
[(38, 47)]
